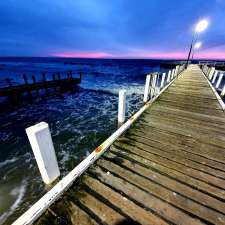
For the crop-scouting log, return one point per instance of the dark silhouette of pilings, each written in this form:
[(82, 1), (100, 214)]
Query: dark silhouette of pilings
[(57, 82)]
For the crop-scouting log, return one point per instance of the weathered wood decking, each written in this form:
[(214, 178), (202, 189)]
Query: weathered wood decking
[(169, 168)]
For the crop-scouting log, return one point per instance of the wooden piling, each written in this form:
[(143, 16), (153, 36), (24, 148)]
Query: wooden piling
[(168, 76), (162, 80), (121, 106), (25, 79), (147, 88), (42, 146), (153, 81)]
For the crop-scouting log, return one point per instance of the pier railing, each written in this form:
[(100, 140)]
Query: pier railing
[(43, 149), (216, 80), (211, 63)]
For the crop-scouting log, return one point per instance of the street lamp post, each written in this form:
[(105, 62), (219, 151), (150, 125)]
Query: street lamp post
[(200, 27)]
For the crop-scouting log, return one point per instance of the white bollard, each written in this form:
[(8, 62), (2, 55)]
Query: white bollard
[(176, 71), (121, 106), (219, 80), (214, 77), (168, 76), (153, 82), (162, 80), (211, 72), (147, 87), (44, 152), (173, 73), (223, 91)]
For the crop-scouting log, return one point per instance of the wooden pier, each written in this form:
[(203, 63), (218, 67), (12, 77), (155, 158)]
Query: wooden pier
[(168, 168), (16, 92)]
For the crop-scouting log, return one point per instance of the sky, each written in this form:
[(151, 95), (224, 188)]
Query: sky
[(110, 29)]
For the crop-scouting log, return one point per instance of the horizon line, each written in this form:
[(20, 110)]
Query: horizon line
[(122, 58)]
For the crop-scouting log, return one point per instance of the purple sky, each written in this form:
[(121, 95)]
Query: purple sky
[(114, 29)]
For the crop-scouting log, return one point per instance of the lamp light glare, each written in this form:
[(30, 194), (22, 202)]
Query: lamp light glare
[(201, 25), (198, 45)]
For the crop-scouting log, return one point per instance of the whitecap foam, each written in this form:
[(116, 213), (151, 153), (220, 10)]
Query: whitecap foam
[(8, 161), (17, 191)]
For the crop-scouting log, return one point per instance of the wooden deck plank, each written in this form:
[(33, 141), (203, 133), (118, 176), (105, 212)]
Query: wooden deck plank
[(180, 150), (191, 144), (145, 199), (150, 147), (173, 198), (166, 181), (133, 211)]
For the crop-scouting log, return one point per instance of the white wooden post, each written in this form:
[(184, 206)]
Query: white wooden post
[(212, 70), (219, 80), (176, 70), (173, 73), (153, 81), (168, 76), (214, 77), (44, 152), (121, 106), (163, 80), (223, 91), (147, 87), (207, 71)]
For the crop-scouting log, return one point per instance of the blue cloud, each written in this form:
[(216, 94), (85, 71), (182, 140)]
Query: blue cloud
[(38, 28)]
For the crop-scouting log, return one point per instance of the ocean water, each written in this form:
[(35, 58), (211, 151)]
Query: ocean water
[(79, 120)]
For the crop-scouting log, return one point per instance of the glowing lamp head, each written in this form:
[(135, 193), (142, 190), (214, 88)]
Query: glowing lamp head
[(198, 45), (201, 26)]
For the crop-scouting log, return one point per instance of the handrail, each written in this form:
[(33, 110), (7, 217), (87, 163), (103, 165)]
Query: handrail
[(215, 79)]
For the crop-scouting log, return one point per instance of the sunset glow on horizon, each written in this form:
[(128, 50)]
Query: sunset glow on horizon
[(81, 55), (170, 55)]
